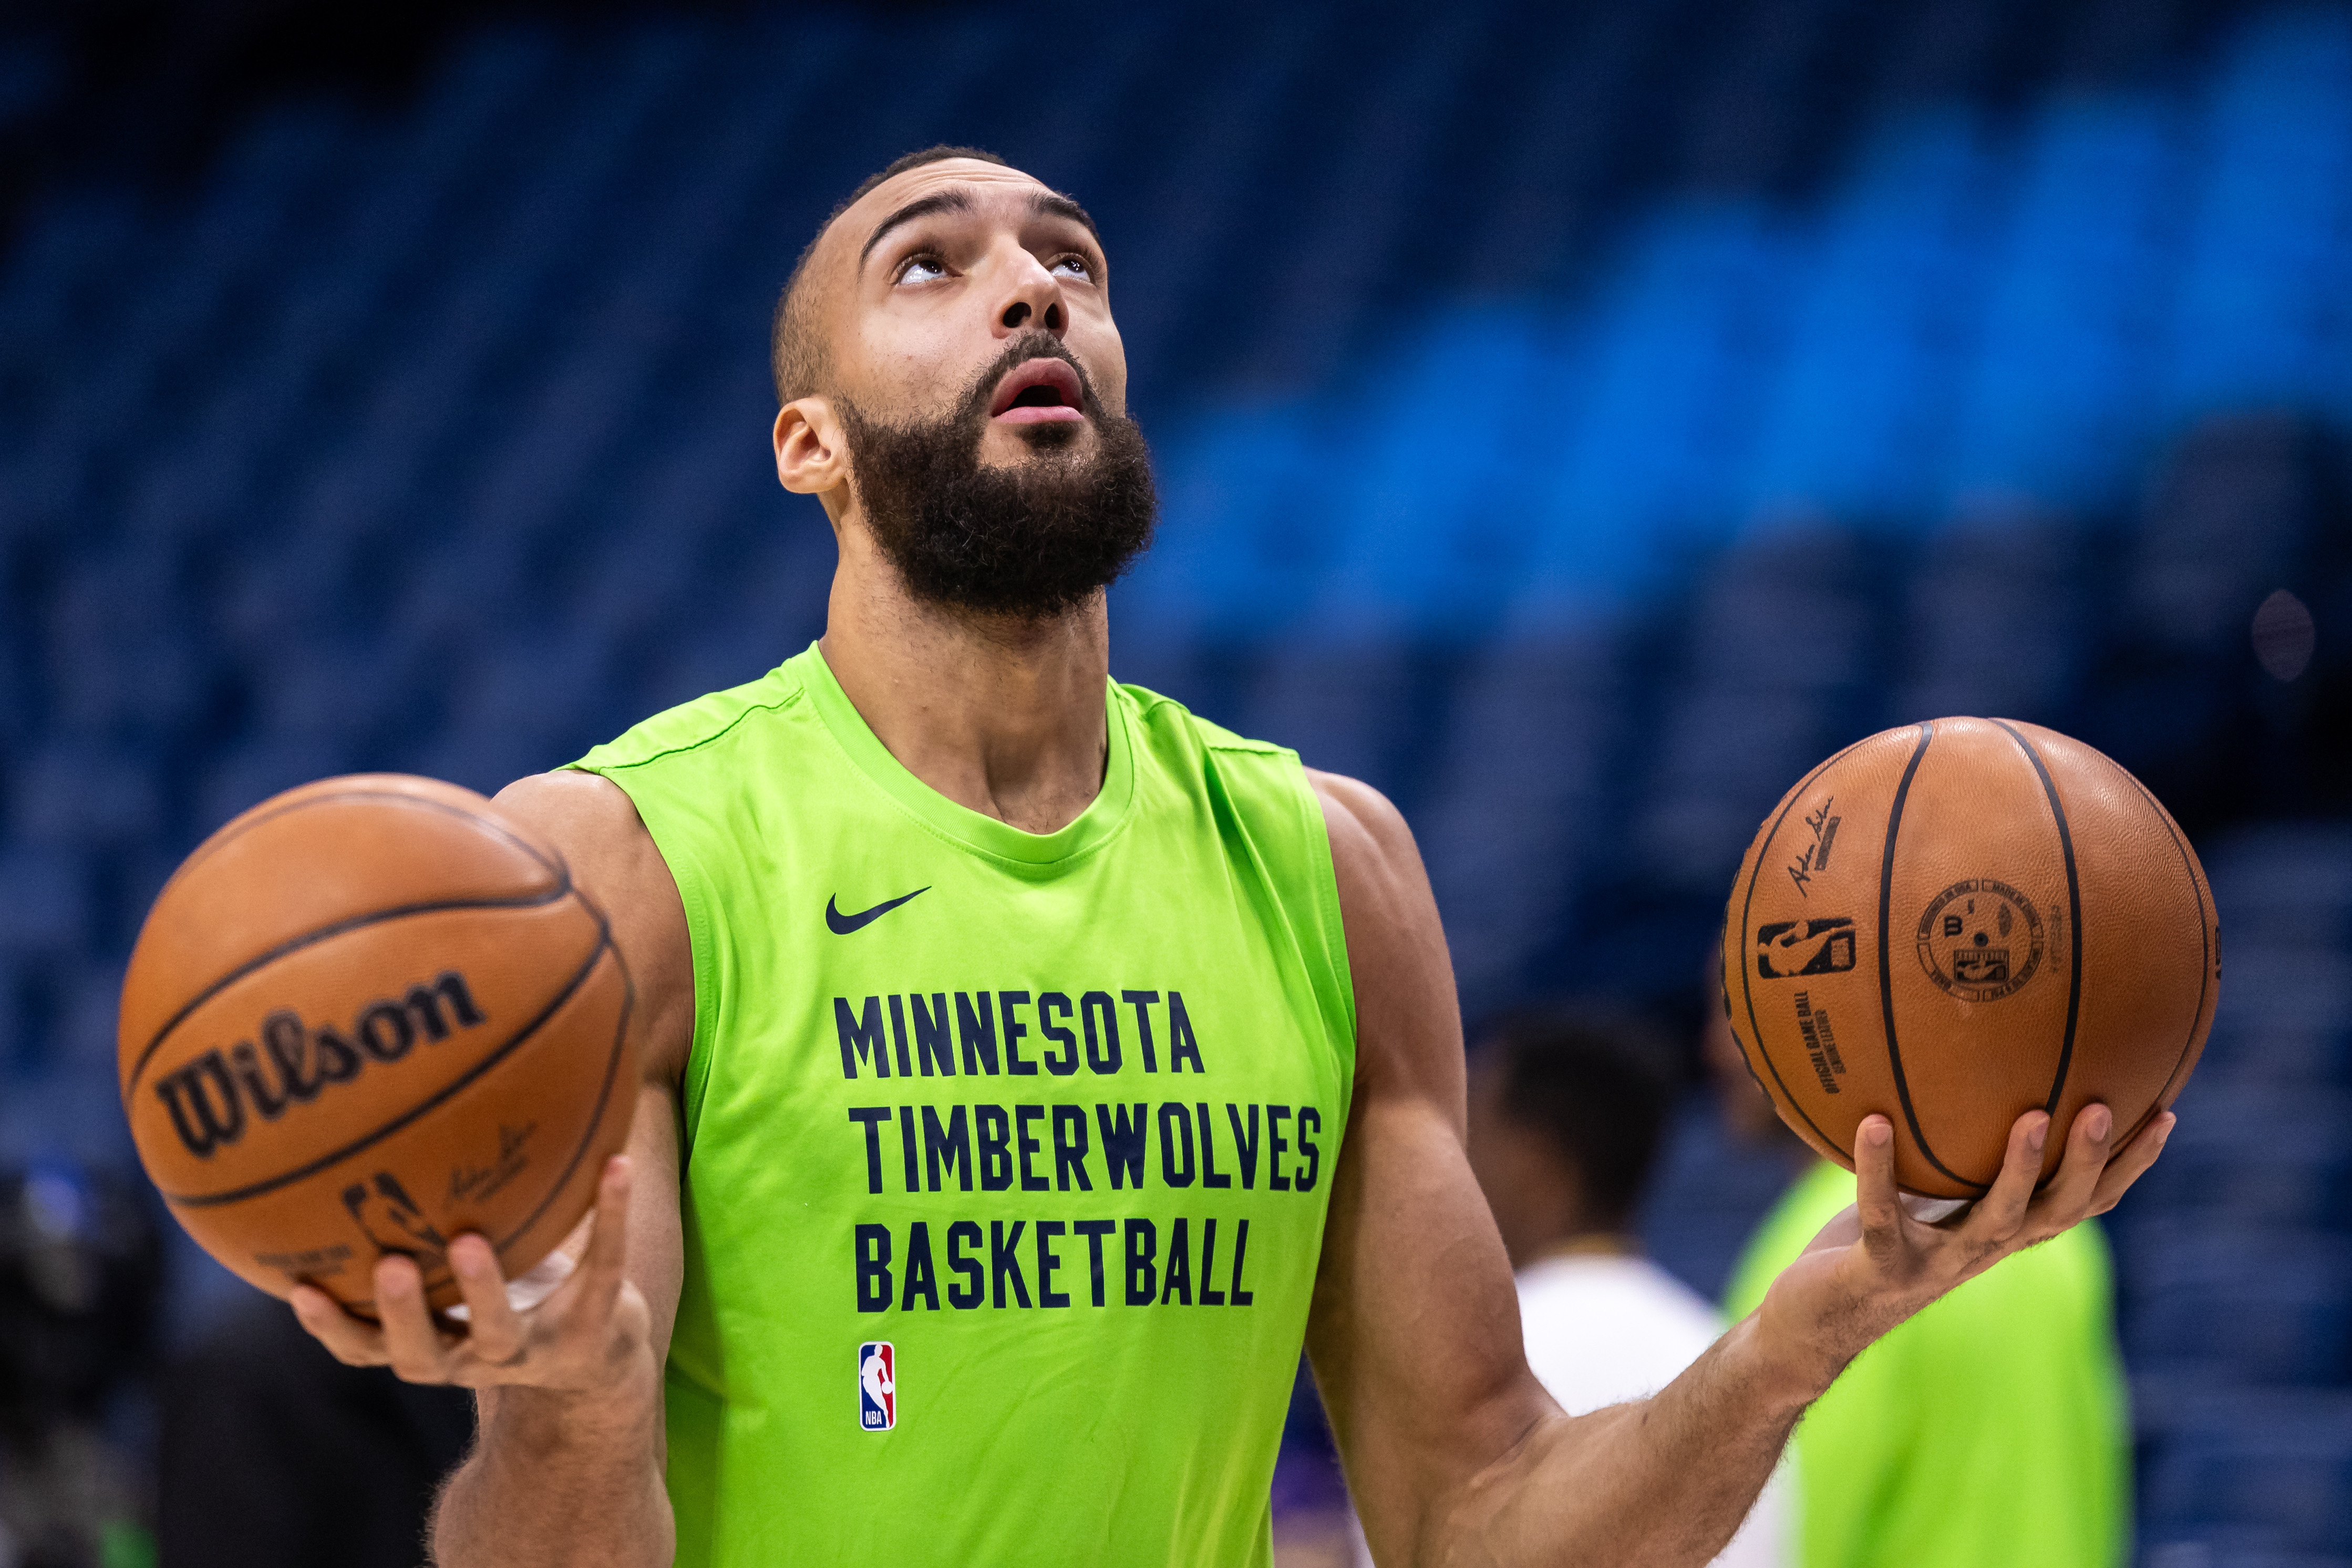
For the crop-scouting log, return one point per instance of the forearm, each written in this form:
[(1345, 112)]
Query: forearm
[(1661, 1481), (561, 1480)]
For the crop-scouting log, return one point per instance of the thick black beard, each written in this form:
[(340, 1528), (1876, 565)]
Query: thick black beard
[(1031, 540)]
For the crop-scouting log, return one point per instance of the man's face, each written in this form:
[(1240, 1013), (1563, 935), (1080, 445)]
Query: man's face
[(948, 266), (980, 388)]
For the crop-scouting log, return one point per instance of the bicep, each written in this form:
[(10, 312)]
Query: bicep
[(1415, 1329)]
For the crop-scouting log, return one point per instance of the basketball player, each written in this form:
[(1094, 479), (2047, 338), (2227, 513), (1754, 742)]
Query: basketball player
[(1085, 1053)]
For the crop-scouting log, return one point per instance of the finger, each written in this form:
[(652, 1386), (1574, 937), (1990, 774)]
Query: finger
[(2000, 1214), (2131, 1163), (414, 1348), (1878, 1205), (587, 1294), (603, 1264), (494, 1332), (2067, 1198), (348, 1340)]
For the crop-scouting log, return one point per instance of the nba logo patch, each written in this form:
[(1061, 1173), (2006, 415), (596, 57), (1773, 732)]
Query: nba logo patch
[(877, 1387)]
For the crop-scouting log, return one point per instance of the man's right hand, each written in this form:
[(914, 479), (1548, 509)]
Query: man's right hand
[(570, 1449), (585, 1337)]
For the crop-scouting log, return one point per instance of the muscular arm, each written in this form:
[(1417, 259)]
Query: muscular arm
[(1454, 1451), (567, 1465)]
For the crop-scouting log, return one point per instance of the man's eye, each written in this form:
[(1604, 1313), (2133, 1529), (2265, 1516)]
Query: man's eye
[(1074, 264), (921, 269)]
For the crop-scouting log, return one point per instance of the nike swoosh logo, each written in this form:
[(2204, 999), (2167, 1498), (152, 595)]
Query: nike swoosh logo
[(841, 925)]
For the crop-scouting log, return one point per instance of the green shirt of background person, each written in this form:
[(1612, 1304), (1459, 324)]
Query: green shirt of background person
[(1990, 1428)]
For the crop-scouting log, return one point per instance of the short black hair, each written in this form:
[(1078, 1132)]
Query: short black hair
[(1598, 1083), (795, 349)]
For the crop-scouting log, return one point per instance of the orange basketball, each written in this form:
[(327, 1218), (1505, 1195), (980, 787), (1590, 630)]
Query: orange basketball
[(1955, 922), (367, 1016)]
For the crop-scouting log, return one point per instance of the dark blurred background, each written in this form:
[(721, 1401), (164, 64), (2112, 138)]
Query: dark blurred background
[(1574, 418)]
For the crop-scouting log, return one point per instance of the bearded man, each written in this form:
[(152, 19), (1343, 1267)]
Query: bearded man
[(1031, 1065)]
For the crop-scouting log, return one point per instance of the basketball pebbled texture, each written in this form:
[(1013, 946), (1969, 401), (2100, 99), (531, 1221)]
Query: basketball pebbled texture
[(1955, 922), (368, 1015)]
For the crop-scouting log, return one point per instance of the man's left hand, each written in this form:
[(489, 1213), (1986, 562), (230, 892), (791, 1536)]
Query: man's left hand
[(1876, 1264)]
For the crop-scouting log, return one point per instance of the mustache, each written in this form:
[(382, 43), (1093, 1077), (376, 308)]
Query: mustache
[(1035, 343)]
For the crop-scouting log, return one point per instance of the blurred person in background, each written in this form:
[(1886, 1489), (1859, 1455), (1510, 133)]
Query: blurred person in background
[(1992, 1428), (275, 1454), (1568, 1109), (80, 1264)]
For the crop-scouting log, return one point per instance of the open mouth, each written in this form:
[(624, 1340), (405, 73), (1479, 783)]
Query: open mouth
[(1037, 392)]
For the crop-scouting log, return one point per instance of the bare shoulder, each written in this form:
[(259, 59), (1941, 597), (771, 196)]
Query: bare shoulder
[(1384, 894), (587, 812), (1367, 829), (1408, 1022), (615, 859)]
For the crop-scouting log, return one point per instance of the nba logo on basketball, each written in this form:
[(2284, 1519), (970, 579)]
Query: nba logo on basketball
[(877, 1387)]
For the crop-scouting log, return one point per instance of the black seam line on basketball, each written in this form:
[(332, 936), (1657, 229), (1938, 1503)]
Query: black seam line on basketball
[(225, 838), (559, 869), (307, 938), (2074, 916), (1887, 955), (254, 1190), (2204, 941), (612, 1064), (603, 1097), (1748, 980)]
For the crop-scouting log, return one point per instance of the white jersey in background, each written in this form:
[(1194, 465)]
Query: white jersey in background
[(1604, 1328)]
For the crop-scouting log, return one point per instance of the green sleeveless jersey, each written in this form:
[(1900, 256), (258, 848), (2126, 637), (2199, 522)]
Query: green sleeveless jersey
[(1005, 1156)]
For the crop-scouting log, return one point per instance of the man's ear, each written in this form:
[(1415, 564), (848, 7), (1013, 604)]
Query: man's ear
[(812, 455)]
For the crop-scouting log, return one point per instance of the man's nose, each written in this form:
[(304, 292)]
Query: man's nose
[(1031, 298)]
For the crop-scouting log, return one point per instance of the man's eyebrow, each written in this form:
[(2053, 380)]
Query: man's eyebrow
[(1053, 203), (947, 201)]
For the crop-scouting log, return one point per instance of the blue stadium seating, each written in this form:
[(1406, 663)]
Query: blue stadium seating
[(2055, 407), (2253, 1473), (1515, 791), (1991, 620), (2235, 1295)]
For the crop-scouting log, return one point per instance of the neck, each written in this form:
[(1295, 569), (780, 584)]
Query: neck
[(999, 714)]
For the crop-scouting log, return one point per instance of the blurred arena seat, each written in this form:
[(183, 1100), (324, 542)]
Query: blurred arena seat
[(1516, 787), (2236, 1277), (2252, 1478), (1991, 620), (1785, 640)]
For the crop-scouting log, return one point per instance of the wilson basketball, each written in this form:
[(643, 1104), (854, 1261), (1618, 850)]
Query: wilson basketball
[(366, 1016), (1955, 922)]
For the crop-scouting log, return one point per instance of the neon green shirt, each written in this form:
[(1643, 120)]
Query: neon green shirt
[(1005, 1156), (1992, 1428)]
